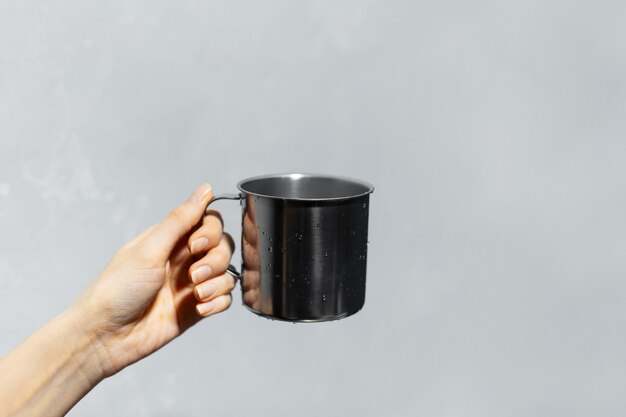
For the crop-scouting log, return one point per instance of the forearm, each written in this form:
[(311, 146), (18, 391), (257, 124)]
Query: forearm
[(50, 371)]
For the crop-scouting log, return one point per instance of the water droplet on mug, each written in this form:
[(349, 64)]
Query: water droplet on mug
[(269, 249), (364, 205), (352, 232), (326, 254), (263, 231), (318, 225), (282, 249), (323, 297), (312, 258)]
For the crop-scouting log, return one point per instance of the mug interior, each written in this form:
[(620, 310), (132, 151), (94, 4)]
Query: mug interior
[(305, 187)]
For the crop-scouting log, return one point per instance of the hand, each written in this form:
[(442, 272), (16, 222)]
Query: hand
[(156, 287), (160, 284)]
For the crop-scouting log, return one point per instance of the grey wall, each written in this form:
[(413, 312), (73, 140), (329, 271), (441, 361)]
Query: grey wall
[(493, 131)]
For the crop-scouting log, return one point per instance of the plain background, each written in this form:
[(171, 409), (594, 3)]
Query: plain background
[(494, 132)]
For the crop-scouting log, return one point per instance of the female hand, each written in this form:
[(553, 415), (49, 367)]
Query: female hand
[(156, 287), (159, 284)]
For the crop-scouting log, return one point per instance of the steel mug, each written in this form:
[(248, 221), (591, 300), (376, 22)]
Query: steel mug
[(304, 245)]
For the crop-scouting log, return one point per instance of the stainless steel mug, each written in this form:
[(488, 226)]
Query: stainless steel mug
[(304, 245)]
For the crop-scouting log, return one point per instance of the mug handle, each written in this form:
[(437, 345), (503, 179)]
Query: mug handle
[(223, 197), (231, 269)]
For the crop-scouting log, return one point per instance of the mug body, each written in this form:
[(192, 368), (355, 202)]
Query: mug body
[(304, 246)]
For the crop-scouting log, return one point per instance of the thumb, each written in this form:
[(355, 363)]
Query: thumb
[(161, 241)]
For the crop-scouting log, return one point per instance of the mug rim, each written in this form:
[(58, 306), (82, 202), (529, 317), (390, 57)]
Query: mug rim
[(298, 175)]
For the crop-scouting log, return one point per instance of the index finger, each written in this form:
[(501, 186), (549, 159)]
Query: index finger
[(208, 235)]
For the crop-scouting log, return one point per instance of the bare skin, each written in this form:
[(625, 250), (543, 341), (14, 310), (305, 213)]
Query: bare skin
[(157, 286)]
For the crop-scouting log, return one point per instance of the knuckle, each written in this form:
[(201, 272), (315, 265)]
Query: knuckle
[(214, 217), (178, 215), (214, 221), (227, 301), (144, 253), (225, 284), (230, 242), (232, 282), (222, 257), (213, 234)]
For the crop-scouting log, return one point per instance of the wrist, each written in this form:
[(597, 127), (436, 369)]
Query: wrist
[(52, 369), (89, 350)]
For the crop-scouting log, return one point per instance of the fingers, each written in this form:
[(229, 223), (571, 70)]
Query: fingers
[(208, 235), (214, 263), (213, 283), (215, 306), (160, 242), (250, 232), (250, 289), (250, 255), (214, 287)]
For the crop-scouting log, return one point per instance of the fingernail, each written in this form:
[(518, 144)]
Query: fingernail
[(201, 273), (205, 308), (199, 244), (205, 289), (201, 192)]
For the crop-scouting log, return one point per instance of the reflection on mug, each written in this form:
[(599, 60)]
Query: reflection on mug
[(250, 282)]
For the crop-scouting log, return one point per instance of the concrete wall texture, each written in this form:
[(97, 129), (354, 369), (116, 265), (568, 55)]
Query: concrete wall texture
[(494, 133)]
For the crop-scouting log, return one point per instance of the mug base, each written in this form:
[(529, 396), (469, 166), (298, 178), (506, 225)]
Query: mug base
[(297, 320)]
